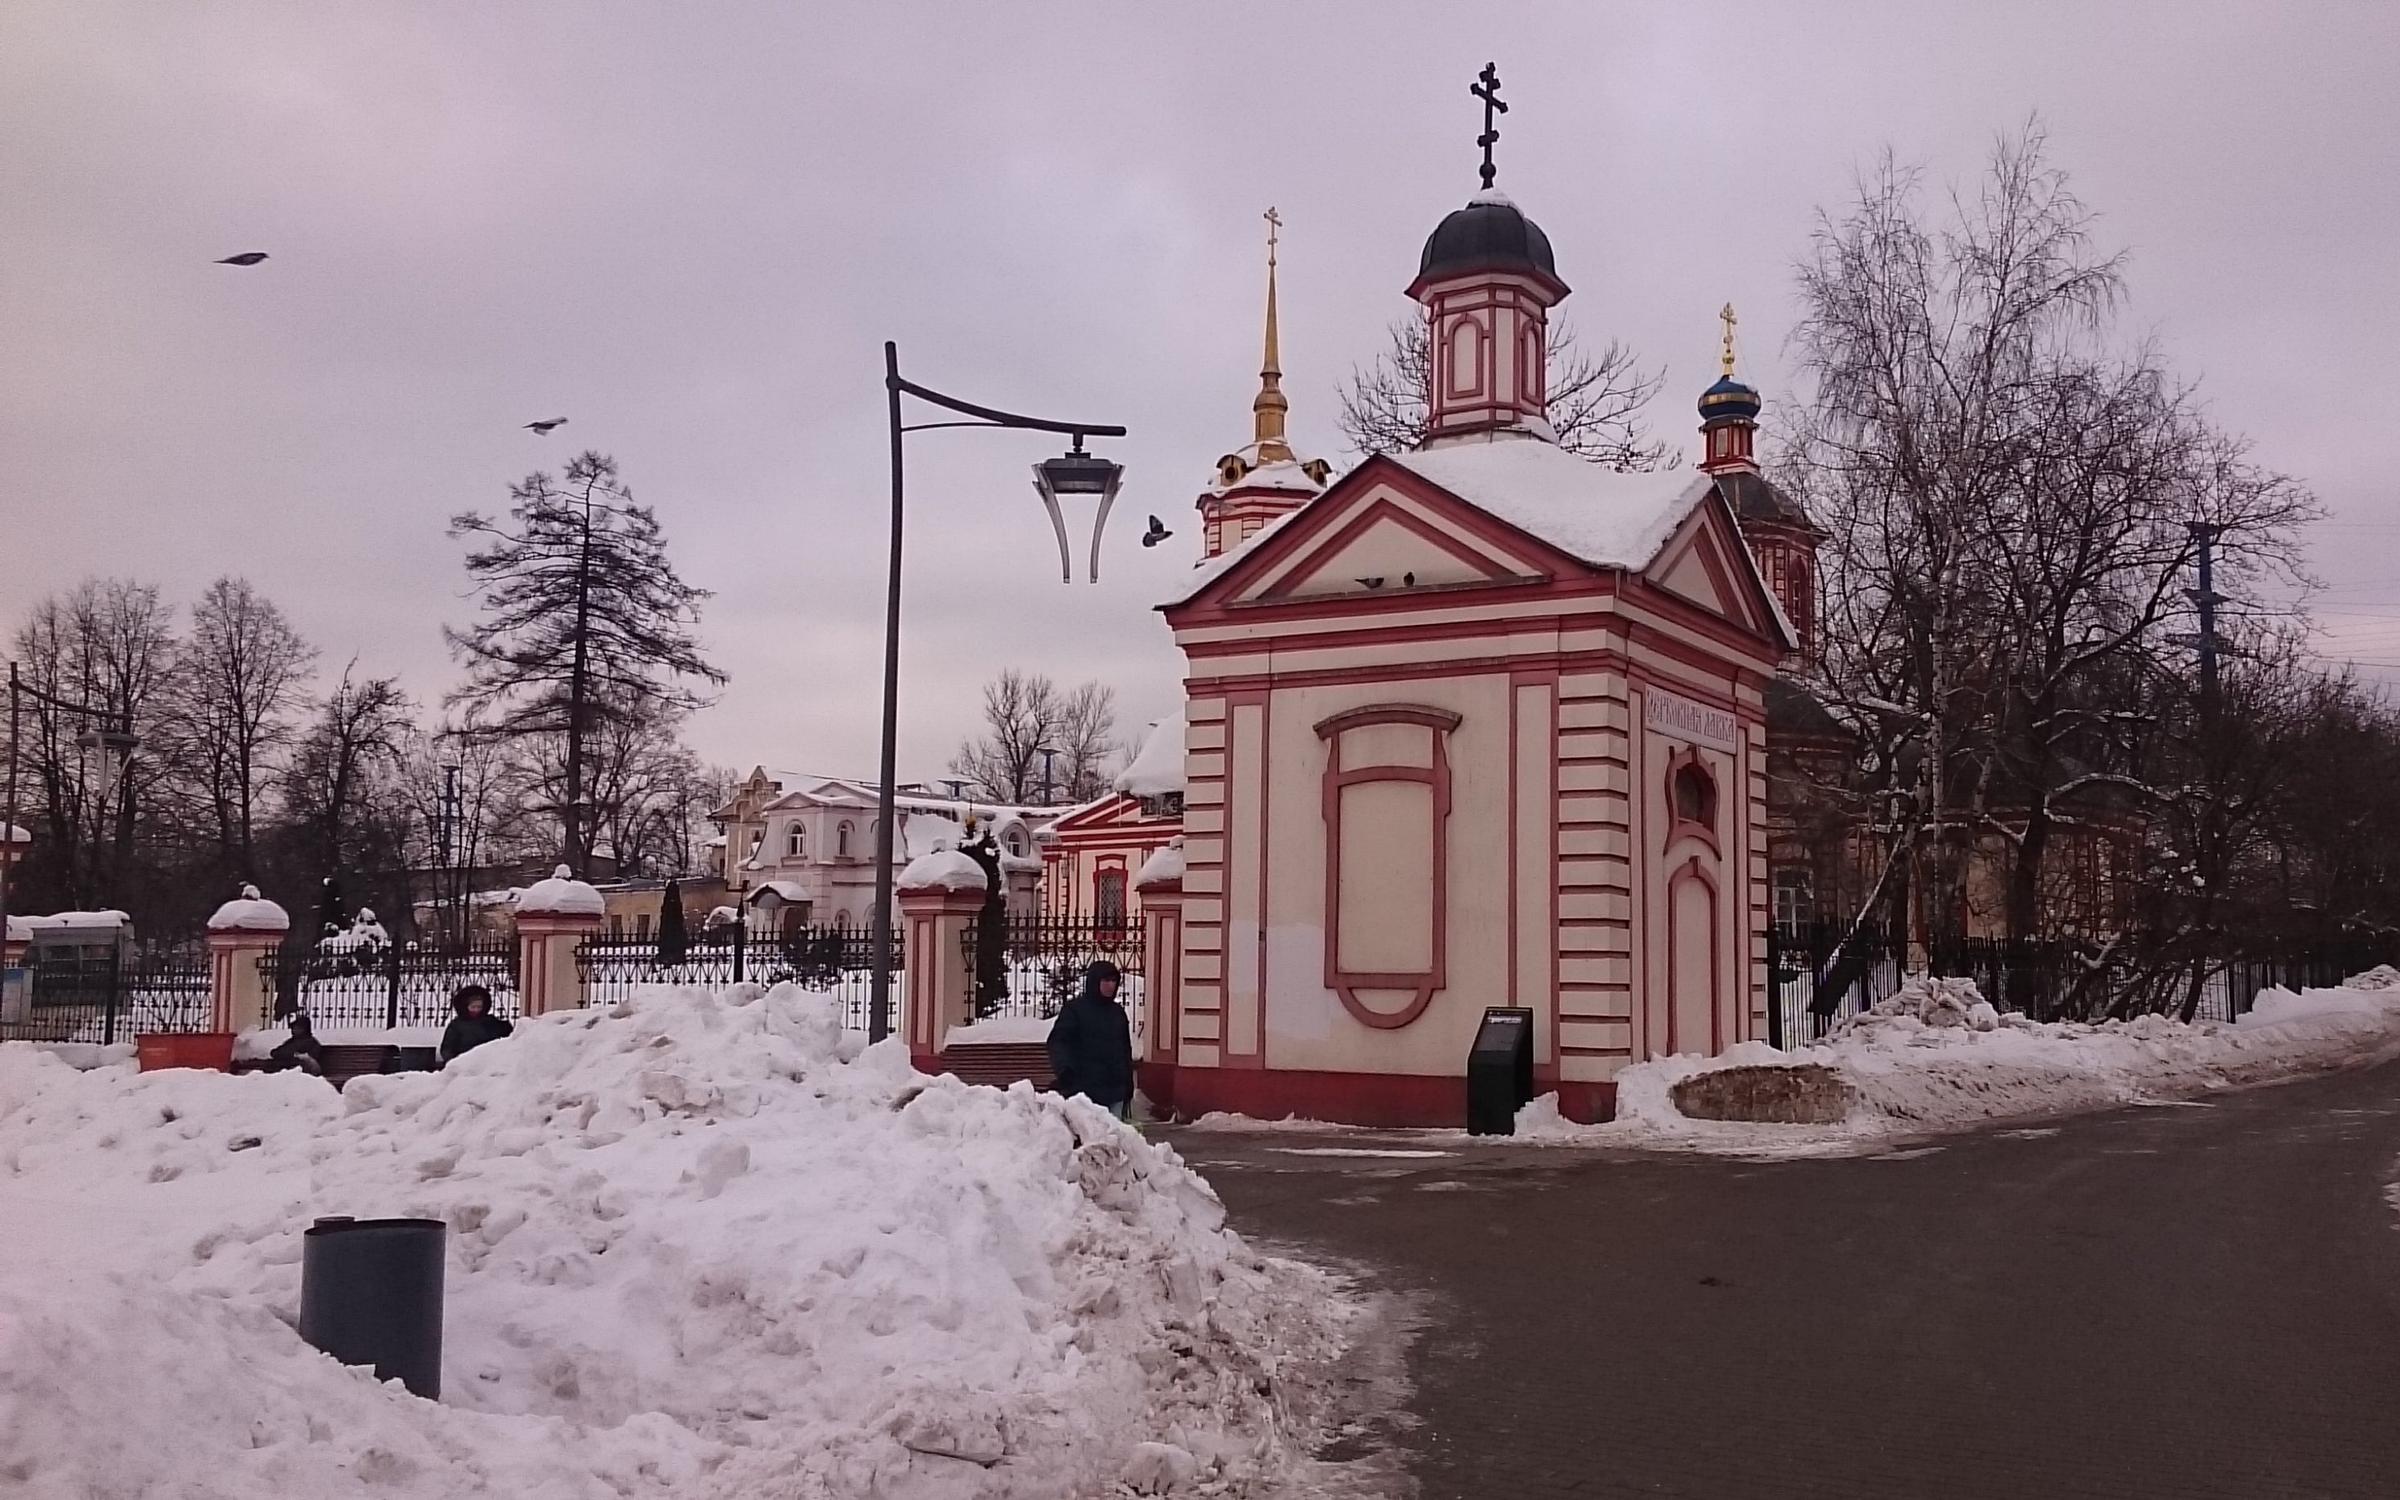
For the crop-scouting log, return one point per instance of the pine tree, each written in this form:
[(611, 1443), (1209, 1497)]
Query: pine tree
[(584, 621)]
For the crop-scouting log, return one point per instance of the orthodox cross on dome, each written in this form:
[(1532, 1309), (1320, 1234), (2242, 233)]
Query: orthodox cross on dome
[(1267, 412), (1728, 319), (1488, 90)]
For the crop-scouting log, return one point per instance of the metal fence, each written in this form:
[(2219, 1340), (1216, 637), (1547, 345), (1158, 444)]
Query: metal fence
[(109, 995), (1044, 958), (838, 960), (1818, 978), (395, 985)]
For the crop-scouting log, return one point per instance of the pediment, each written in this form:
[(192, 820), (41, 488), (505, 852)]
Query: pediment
[(1382, 539), (1706, 563)]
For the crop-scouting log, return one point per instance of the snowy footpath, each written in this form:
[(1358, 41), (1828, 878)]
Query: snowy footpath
[(700, 1246), (1937, 1057)]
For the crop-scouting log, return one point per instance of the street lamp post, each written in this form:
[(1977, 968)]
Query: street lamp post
[(1075, 473)]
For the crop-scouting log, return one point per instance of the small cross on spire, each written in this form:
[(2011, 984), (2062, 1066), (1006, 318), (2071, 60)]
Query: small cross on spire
[(1488, 90), (1274, 226), (1728, 319)]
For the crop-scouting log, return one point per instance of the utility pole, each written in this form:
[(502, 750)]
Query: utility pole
[(1048, 753)]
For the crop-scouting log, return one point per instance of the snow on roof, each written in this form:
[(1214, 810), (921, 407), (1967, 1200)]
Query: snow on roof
[(249, 913), (1217, 567), (942, 870), (20, 927), (787, 890), (1289, 474), (1596, 515), (1157, 768), (563, 895)]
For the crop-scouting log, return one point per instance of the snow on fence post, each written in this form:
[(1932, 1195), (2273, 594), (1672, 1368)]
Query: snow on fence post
[(242, 934), (939, 894), (554, 916), (1160, 885)]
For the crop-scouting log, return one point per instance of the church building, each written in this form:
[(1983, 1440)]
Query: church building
[(1476, 724)]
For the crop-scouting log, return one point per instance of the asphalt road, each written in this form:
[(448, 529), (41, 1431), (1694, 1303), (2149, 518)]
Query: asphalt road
[(2194, 1301)]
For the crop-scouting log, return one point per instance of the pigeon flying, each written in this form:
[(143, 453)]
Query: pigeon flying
[(246, 258), (1156, 534), (542, 429)]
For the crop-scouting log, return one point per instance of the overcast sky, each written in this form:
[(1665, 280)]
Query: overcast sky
[(689, 230)]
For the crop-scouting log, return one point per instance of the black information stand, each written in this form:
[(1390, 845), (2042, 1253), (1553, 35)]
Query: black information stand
[(1499, 1071)]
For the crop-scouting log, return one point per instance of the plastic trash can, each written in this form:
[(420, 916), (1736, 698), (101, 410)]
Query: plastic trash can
[(371, 1294)]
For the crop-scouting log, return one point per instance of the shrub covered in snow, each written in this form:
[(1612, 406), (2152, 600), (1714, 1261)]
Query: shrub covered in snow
[(692, 1252)]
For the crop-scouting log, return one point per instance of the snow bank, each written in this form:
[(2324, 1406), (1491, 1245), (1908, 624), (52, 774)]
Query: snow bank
[(84, 1055), (692, 1254), (1936, 1056)]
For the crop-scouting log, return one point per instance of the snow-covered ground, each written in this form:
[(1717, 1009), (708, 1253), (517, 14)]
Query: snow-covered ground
[(1936, 1057), (699, 1246)]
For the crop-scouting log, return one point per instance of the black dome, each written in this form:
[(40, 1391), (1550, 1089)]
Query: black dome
[(1489, 234)]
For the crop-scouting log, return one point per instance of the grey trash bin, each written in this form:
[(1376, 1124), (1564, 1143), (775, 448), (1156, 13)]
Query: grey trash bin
[(371, 1294)]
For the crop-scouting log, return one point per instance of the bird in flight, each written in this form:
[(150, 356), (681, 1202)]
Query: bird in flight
[(542, 429), (246, 258), (1157, 533)]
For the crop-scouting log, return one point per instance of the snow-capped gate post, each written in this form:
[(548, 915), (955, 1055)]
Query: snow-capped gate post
[(554, 916), (242, 935), (940, 895), (1160, 883)]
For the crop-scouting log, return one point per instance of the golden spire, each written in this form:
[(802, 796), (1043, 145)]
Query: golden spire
[(1267, 412), (1727, 357)]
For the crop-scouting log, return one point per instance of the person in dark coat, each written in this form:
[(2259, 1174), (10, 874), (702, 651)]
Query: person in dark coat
[(300, 1050), (1091, 1043), (474, 1023)]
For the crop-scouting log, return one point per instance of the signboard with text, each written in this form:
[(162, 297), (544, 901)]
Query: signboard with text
[(1689, 720)]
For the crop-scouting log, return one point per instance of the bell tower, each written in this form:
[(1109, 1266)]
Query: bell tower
[(1265, 478), (1778, 529)]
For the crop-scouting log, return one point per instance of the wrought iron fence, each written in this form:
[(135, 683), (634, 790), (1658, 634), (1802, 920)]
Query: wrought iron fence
[(109, 995), (839, 960), (389, 986), (1044, 956), (1818, 978)]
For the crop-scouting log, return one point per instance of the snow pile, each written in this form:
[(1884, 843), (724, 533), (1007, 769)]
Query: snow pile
[(249, 913), (1163, 867), (942, 870), (692, 1254), (364, 935), (562, 895), (1936, 1056), (1157, 768), (1003, 1030)]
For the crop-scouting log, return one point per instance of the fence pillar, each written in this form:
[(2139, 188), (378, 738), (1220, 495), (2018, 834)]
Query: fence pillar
[(939, 900), (1160, 885), (242, 935), (553, 917)]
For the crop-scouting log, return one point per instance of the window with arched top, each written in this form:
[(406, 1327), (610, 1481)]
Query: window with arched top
[(796, 842), (841, 842), (1014, 842), (1691, 798)]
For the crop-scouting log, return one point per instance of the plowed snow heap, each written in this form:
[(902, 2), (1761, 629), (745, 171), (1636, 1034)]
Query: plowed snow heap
[(694, 1251)]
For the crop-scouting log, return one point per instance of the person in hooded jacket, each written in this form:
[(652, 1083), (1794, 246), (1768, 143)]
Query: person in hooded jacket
[(299, 1050), (1091, 1043), (473, 1025)]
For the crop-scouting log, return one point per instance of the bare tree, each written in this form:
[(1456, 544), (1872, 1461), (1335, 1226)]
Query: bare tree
[(240, 676), (1025, 714), (2007, 488), (105, 643), (585, 620), (1596, 401), (346, 808)]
